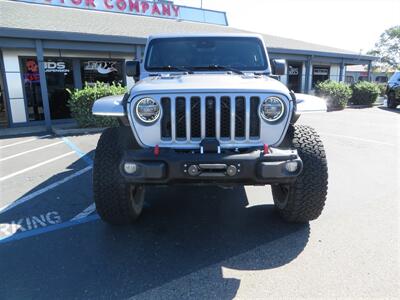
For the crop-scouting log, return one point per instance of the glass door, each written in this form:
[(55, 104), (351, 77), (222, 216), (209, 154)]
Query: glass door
[(294, 76), (59, 78)]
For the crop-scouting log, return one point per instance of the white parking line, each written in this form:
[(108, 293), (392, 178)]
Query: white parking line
[(87, 211), (358, 139), (25, 141), (29, 151), (35, 166), (43, 190)]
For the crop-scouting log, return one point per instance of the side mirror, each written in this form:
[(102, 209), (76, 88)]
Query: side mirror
[(278, 67), (132, 69)]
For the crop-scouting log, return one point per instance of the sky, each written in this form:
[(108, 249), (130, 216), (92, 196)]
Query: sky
[(347, 24)]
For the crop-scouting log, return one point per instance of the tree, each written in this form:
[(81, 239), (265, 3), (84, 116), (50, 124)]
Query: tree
[(388, 49)]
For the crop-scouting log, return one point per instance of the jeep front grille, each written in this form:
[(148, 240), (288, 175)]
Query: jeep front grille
[(229, 118)]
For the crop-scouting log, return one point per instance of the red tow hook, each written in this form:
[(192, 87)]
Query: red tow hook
[(266, 149), (156, 150)]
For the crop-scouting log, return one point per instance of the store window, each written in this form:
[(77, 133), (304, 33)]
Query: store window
[(349, 79), (31, 79), (108, 71), (363, 78), (381, 79), (320, 74)]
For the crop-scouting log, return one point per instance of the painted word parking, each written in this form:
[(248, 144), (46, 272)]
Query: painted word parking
[(28, 223)]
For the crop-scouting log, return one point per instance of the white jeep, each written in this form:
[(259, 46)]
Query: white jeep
[(206, 110)]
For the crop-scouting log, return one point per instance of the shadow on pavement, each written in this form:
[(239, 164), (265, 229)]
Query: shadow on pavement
[(394, 110), (182, 230)]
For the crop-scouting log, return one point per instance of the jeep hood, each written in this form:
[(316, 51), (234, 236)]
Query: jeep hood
[(197, 83)]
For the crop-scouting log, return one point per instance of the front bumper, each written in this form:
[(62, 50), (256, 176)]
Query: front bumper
[(174, 167)]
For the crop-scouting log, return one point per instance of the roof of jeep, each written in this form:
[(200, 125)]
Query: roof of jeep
[(222, 34), (26, 20)]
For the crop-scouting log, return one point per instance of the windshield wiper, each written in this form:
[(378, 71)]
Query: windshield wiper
[(219, 67), (172, 68)]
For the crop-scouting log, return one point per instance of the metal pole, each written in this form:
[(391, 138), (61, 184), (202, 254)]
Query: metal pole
[(308, 73), (43, 84), (341, 71), (369, 70)]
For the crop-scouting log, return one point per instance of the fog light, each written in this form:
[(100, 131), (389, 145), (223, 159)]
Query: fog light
[(130, 167), (291, 166), (231, 170)]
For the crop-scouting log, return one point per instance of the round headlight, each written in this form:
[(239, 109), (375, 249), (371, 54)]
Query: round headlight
[(272, 109), (147, 110)]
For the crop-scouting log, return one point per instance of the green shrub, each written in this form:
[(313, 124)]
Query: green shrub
[(382, 89), (81, 102), (337, 94), (364, 93)]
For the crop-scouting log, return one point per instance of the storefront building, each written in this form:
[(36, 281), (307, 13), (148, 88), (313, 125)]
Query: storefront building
[(48, 47)]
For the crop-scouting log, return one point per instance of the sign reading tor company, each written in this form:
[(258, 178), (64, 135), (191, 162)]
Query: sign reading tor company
[(165, 9)]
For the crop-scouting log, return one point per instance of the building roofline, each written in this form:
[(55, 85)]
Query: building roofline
[(68, 36), (322, 53)]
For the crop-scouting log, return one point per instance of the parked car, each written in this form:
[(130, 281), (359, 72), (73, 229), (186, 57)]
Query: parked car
[(393, 90), (205, 110)]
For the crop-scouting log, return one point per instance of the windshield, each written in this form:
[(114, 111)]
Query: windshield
[(206, 53), (395, 76)]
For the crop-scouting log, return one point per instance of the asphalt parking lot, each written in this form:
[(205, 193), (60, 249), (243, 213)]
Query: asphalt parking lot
[(203, 242)]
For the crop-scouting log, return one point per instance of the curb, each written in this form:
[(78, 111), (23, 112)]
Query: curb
[(364, 106), (77, 131), (21, 131)]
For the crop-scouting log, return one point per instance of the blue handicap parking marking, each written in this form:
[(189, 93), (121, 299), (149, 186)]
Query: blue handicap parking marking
[(63, 200)]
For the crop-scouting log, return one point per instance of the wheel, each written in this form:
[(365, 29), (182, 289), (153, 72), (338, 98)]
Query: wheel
[(304, 200), (391, 101), (117, 202)]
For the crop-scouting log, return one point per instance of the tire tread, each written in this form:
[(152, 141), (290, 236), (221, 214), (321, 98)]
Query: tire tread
[(110, 191), (308, 194)]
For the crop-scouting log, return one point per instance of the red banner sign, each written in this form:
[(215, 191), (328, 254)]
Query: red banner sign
[(148, 8)]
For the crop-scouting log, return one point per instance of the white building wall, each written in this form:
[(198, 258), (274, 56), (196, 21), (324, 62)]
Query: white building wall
[(303, 77), (14, 83)]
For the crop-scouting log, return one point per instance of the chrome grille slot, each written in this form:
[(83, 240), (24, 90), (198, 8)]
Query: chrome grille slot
[(225, 117), (210, 117), (240, 117), (180, 107), (195, 124), (166, 118), (254, 118)]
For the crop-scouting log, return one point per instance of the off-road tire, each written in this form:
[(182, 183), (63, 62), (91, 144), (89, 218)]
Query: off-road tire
[(391, 101), (304, 200), (117, 202)]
